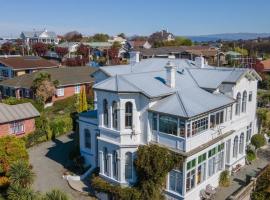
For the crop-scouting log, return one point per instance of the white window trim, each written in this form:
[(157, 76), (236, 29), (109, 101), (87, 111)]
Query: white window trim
[(60, 92), (77, 89)]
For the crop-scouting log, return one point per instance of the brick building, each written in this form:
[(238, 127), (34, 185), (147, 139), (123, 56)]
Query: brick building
[(70, 81), (18, 119)]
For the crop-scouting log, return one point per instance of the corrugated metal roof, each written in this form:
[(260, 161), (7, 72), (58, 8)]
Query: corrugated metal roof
[(9, 113), (189, 97)]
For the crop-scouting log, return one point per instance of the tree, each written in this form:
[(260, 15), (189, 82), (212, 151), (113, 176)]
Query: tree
[(242, 51), (116, 45), (113, 55), (61, 51), (11, 150), (20, 174), (6, 48), (55, 195), (40, 48), (44, 87), (82, 104), (122, 35), (152, 165), (73, 36), (100, 37), (84, 51), (258, 140)]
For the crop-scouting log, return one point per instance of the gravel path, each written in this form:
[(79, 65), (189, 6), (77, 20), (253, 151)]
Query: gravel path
[(49, 160)]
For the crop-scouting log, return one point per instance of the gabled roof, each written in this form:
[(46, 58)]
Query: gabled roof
[(22, 111), (64, 75), (27, 62)]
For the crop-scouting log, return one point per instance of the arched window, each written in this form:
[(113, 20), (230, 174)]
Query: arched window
[(105, 112), (114, 115), (115, 165), (106, 161), (244, 102), (238, 104), (128, 166), (87, 139), (241, 143), (235, 147), (128, 115)]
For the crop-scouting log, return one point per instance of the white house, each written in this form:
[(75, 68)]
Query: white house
[(31, 37), (204, 113)]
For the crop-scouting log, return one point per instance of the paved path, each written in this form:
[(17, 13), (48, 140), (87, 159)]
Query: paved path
[(49, 160), (240, 178)]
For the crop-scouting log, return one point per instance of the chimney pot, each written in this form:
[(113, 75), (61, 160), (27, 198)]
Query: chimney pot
[(199, 62), (170, 73)]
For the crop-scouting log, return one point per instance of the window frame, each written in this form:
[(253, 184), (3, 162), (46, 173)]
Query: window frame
[(87, 139), (77, 89), (128, 115), (60, 92)]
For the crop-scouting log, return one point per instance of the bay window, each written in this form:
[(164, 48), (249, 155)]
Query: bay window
[(168, 124), (216, 118), (199, 125)]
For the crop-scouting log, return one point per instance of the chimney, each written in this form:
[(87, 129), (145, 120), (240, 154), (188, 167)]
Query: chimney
[(134, 57), (170, 73), (199, 62)]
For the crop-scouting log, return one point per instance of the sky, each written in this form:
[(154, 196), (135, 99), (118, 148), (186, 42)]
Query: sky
[(140, 17)]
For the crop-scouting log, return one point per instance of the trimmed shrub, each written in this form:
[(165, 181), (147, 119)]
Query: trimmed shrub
[(251, 155), (224, 179), (116, 192), (11, 150), (258, 140)]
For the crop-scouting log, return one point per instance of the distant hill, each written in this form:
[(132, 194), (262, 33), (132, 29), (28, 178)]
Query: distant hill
[(227, 36)]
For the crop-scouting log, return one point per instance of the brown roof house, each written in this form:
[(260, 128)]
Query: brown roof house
[(266, 65), (70, 81), (17, 119), (15, 66)]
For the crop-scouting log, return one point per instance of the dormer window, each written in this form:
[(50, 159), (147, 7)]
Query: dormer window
[(128, 115)]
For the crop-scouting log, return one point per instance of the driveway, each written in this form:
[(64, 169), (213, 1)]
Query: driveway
[(49, 160)]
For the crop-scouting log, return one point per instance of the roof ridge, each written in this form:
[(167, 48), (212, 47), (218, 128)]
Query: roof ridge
[(182, 103)]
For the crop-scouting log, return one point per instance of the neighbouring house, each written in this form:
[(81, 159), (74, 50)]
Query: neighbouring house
[(185, 52), (17, 119), (233, 56), (32, 37), (139, 44), (12, 66), (70, 81), (71, 46), (204, 113), (266, 65), (99, 45), (163, 35), (117, 39)]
